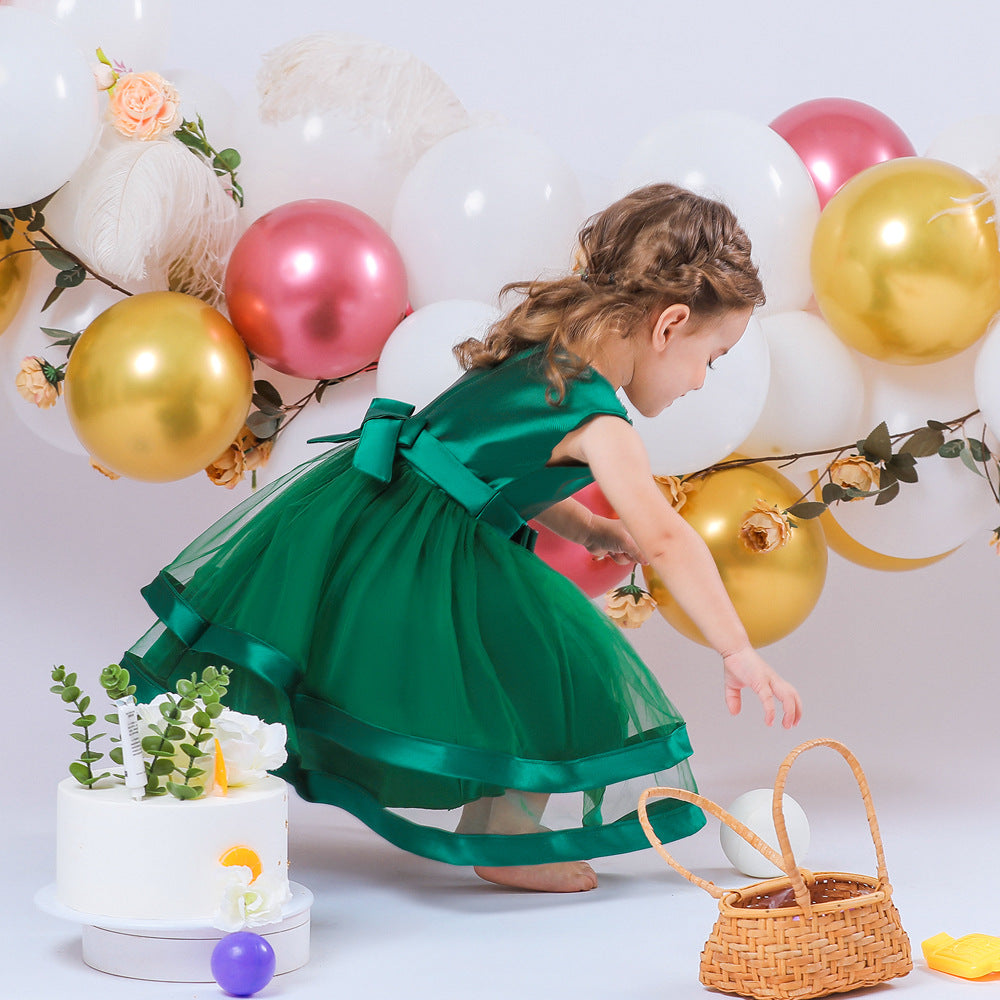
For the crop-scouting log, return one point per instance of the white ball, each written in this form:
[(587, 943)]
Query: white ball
[(753, 809)]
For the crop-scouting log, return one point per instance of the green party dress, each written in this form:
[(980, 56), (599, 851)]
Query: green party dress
[(383, 601)]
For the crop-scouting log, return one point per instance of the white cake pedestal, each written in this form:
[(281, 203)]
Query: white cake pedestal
[(175, 951)]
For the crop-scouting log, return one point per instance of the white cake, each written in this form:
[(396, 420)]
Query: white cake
[(166, 859)]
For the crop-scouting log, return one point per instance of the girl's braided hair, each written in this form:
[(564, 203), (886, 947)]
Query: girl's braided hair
[(657, 246)]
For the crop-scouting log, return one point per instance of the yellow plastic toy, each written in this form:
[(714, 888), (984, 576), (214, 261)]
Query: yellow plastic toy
[(971, 957)]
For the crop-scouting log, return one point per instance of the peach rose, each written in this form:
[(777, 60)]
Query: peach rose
[(629, 606), (674, 490), (855, 472), (764, 528), (227, 470), (144, 106), (257, 452), (34, 386), (995, 540)]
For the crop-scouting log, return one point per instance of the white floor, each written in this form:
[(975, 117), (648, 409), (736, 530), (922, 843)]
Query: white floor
[(387, 924)]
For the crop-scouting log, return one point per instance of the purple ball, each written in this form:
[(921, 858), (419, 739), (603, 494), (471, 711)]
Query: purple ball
[(242, 963)]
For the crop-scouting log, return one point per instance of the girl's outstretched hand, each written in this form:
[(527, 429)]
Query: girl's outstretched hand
[(746, 668), (608, 538)]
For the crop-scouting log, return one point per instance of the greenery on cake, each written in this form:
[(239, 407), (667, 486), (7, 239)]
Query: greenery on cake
[(185, 728), (177, 733)]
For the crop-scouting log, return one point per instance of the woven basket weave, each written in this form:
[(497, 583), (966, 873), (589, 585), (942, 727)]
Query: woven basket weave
[(805, 934)]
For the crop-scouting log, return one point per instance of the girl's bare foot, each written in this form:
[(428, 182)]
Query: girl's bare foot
[(563, 876)]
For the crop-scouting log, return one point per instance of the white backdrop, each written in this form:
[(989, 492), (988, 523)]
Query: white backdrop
[(901, 667)]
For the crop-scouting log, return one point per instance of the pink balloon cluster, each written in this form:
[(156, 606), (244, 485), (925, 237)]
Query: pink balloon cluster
[(837, 138), (315, 287)]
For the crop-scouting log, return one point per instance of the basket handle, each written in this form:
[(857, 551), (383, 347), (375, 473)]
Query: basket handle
[(788, 864), (719, 813)]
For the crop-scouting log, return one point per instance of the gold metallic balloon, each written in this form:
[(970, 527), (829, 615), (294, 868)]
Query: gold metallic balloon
[(14, 274), (905, 264), (158, 386), (853, 551), (773, 592)]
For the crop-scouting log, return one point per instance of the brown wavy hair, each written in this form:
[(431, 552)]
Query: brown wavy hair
[(657, 246)]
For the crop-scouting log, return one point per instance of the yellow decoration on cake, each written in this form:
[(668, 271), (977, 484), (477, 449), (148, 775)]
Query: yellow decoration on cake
[(244, 856), (221, 786)]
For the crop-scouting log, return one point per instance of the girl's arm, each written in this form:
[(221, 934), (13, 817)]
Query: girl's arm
[(602, 536), (618, 460)]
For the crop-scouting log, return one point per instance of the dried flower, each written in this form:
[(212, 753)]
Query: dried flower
[(227, 470), (38, 383), (675, 490), (995, 540), (764, 528), (257, 454), (855, 472), (629, 606), (102, 470), (144, 106)]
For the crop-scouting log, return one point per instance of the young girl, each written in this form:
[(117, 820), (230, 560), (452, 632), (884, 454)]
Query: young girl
[(383, 601)]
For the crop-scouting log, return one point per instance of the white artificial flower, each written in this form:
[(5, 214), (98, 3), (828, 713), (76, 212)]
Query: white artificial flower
[(249, 746), (250, 902)]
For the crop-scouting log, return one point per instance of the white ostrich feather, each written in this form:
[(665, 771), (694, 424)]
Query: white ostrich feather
[(154, 208), (336, 71)]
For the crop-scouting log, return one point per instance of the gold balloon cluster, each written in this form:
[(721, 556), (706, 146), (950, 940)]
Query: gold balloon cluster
[(158, 386), (773, 592), (905, 264), (14, 274)]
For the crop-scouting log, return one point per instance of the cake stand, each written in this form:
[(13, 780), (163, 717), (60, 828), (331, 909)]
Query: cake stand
[(178, 951)]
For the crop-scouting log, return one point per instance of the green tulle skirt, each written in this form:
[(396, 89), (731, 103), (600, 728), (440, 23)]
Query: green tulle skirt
[(420, 662)]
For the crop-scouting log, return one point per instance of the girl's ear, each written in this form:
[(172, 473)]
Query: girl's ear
[(669, 324)]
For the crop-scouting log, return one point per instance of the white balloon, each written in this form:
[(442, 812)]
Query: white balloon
[(48, 106), (483, 207), (756, 173), (705, 426), (133, 33), (341, 409), (316, 155), (816, 389), (754, 810), (417, 362), (949, 503), (986, 378), (972, 144), (201, 95)]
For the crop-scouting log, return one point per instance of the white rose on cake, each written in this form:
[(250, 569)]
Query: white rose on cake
[(248, 901), (249, 746)]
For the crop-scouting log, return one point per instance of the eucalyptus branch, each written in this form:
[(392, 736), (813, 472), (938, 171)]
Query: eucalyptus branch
[(82, 769)]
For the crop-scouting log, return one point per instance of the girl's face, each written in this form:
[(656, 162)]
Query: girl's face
[(674, 358)]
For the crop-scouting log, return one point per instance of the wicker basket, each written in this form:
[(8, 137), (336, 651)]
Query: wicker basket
[(805, 934)]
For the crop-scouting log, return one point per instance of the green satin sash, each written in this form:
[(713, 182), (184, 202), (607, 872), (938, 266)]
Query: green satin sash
[(388, 429)]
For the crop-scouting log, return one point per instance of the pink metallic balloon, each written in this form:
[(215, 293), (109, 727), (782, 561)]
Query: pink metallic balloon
[(837, 138), (592, 576), (315, 287)]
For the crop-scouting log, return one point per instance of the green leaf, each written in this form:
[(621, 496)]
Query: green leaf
[(193, 772), (190, 750), (156, 747), (979, 450), (53, 295), (111, 717), (951, 449), (161, 766), (80, 771), (936, 425), (169, 710), (71, 679), (877, 447), (903, 468), (214, 710), (22, 213), (807, 509), (832, 492), (923, 443), (262, 425), (89, 756), (191, 141), (58, 673), (117, 756), (59, 259), (85, 720), (175, 732), (890, 494), (887, 477), (183, 791), (226, 160), (37, 223), (185, 688), (969, 462), (84, 703), (71, 277), (265, 391), (70, 694), (80, 737), (202, 720), (6, 227), (56, 688)]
